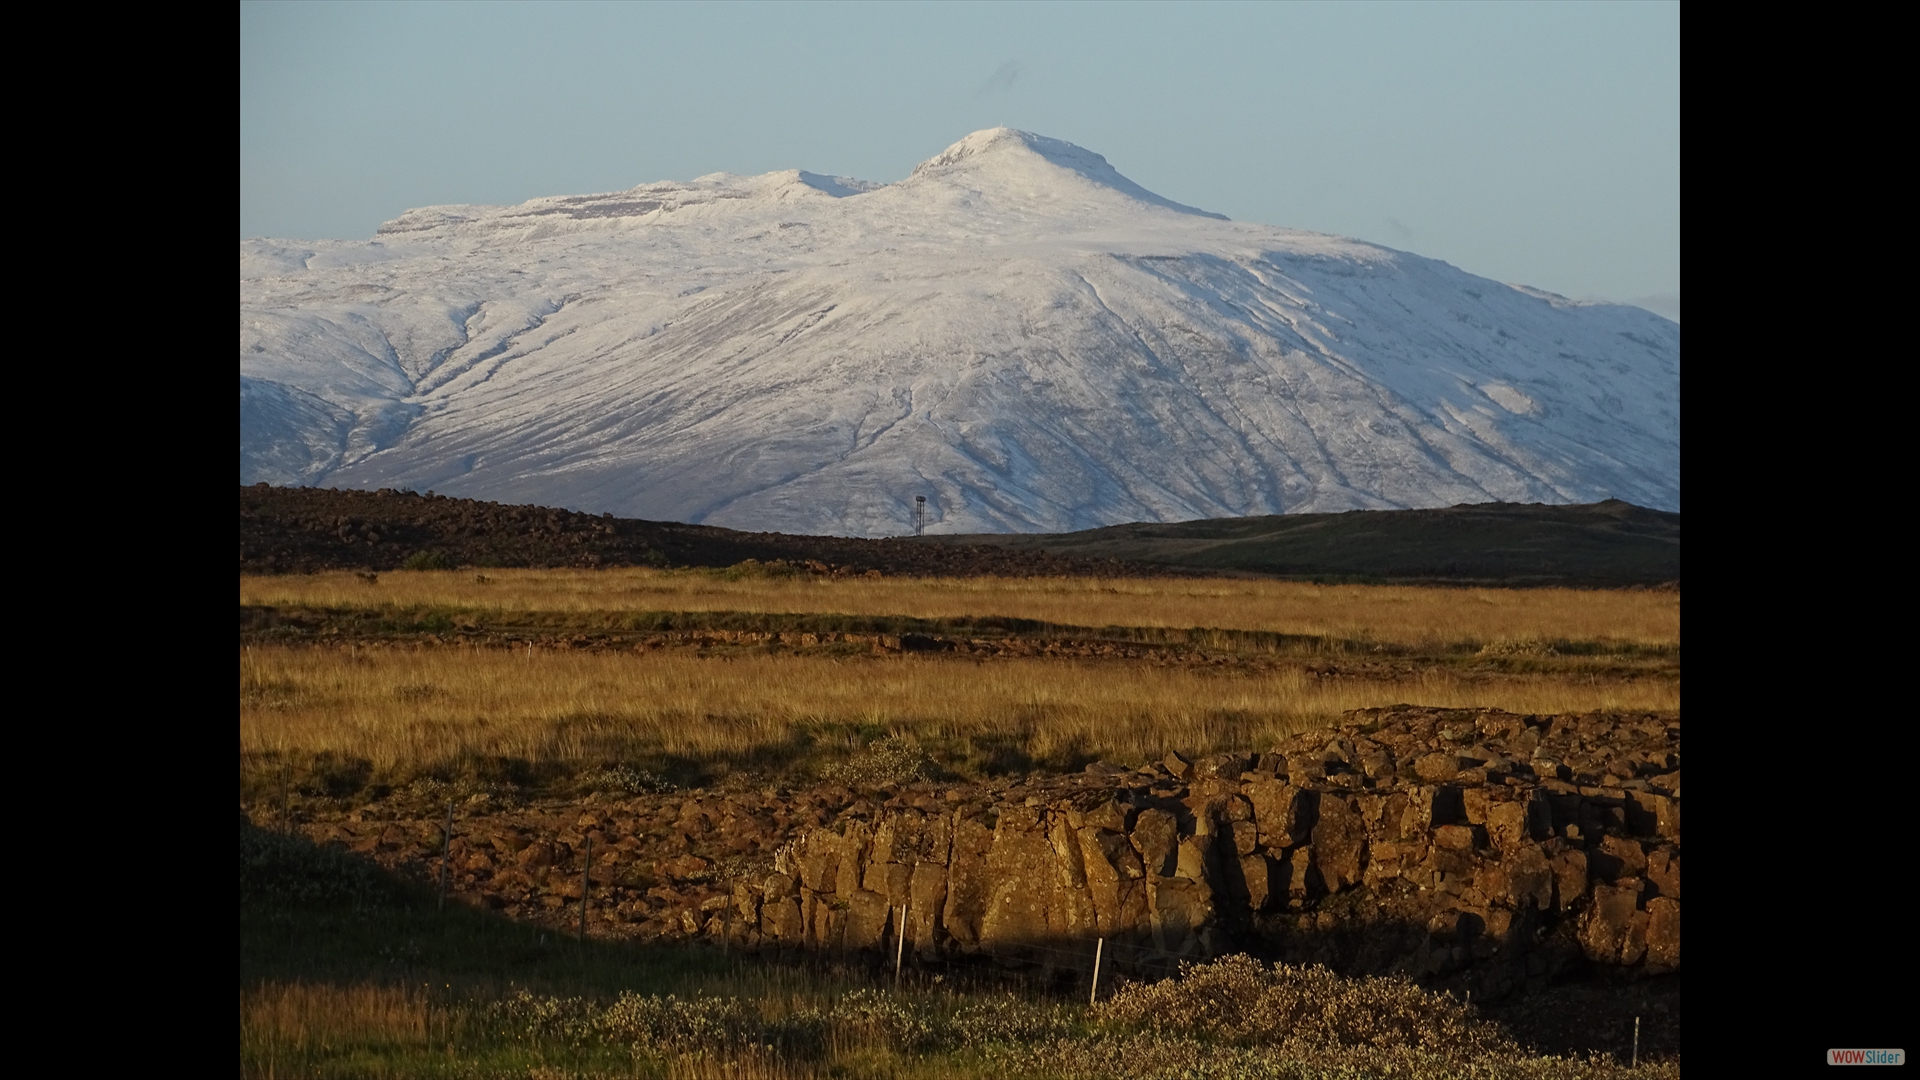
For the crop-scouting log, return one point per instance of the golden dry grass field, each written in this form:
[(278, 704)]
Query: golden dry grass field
[(392, 682), (412, 710), (404, 708), (1408, 615)]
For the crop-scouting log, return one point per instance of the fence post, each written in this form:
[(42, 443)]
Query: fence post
[(1636, 1043), (900, 945), (1093, 995), (586, 881), (446, 856)]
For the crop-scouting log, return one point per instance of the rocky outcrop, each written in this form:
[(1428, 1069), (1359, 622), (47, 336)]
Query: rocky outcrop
[(1474, 846), (1483, 844)]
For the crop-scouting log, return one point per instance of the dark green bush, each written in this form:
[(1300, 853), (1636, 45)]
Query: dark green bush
[(336, 776)]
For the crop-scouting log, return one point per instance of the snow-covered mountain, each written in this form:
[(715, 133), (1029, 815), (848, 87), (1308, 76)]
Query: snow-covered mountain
[(1015, 331)]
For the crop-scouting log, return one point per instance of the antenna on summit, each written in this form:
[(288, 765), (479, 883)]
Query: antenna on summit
[(919, 514)]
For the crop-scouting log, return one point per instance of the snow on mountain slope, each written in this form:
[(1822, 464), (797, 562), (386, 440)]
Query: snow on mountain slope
[(1015, 331)]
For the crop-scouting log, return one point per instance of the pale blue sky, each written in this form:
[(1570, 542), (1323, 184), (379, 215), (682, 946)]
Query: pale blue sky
[(1534, 143)]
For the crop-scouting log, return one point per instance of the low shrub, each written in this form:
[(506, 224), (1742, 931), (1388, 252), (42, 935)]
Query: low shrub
[(427, 560), (1244, 1001), (336, 776), (886, 762), (281, 871), (625, 780)]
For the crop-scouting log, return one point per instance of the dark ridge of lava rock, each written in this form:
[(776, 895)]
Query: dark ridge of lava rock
[(289, 530)]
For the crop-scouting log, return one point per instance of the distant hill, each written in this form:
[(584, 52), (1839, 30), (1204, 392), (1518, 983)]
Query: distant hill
[(1609, 543), (299, 530)]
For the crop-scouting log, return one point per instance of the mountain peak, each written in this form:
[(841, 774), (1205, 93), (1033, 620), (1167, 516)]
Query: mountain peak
[(1004, 148), (1016, 333), (1003, 140)]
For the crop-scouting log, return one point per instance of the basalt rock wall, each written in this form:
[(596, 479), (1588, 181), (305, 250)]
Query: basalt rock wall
[(1490, 847), (1480, 849)]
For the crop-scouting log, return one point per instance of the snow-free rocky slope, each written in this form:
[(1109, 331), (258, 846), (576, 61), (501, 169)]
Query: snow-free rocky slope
[(1015, 331)]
